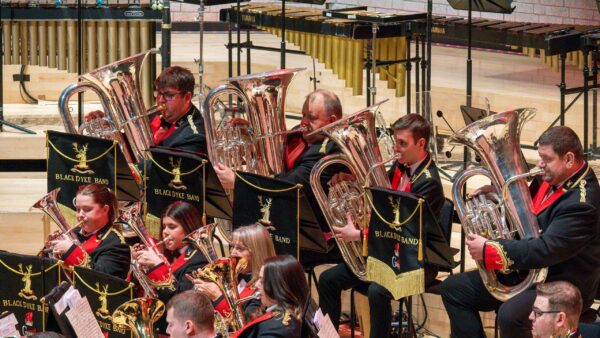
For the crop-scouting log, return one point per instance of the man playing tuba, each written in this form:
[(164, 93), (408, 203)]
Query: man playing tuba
[(320, 108), (181, 125), (564, 204), (414, 172)]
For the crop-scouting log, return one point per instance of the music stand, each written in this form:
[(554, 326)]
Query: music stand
[(217, 202), (487, 6), (310, 233)]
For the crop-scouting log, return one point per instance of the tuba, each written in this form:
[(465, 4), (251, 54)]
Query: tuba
[(258, 147), (505, 213), (139, 315), (356, 137), (118, 87)]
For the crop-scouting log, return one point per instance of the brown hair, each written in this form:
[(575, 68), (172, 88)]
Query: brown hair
[(195, 306), (284, 282), (102, 195), (331, 102), (258, 240), (185, 214), (562, 296), (563, 140), (175, 77), (416, 124)]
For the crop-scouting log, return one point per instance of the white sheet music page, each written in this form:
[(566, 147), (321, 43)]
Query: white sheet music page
[(8, 326), (326, 328), (83, 321)]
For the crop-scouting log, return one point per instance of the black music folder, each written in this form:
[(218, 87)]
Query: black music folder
[(252, 201), (217, 202)]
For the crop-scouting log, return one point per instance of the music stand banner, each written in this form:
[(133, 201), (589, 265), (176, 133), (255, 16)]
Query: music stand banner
[(272, 203), (75, 160), (396, 242), (172, 176), (25, 281), (104, 293)]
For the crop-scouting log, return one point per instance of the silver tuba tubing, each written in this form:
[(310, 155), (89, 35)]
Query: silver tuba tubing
[(356, 137), (343, 197), (505, 213), (261, 146), (118, 87)]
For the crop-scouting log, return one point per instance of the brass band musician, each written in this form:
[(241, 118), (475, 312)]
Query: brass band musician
[(254, 244), (178, 220), (283, 291), (413, 172), (103, 248), (564, 204), (181, 125), (320, 108)]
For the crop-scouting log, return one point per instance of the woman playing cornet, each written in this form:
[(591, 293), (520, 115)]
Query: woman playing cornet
[(102, 246), (167, 272)]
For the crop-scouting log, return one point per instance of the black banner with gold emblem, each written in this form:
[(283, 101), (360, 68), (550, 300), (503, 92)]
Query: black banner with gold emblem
[(396, 241), (104, 293), (172, 176), (75, 160), (25, 280), (272, 203)]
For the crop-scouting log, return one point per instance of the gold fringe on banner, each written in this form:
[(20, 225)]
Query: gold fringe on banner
[(400, 286)]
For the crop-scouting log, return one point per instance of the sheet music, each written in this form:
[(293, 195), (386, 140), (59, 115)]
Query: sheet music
[(70, 297), (83, 321), (325, 326), (8, 326)]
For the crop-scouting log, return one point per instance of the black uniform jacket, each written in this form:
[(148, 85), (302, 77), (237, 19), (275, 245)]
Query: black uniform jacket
[(273, 324), (569, 243), (302, 167), (168, 283), (425, 182), (105, 251), (188, 134)]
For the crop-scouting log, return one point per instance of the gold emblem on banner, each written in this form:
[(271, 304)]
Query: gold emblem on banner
[(396, 205), (26, 291), (81, 154), (103, 312), (176, 182), (265, 210)]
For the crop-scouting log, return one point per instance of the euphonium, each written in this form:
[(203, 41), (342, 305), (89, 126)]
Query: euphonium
[(49, 206), (139, 315), (506, 213), (224, 274), (118, 87), (356, 137), (202, 239)]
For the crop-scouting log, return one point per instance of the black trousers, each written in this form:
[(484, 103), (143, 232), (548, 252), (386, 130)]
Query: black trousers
[(340, 277), (464, 295)]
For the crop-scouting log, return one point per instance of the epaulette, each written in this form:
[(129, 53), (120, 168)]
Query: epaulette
[(323, 148), (192, 125)]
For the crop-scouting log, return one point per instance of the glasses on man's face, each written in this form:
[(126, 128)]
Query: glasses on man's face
[(537, 313), (166, 95)]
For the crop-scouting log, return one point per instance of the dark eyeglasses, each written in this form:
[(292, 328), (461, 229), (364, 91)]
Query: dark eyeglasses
[(167, 96), (537, 313)]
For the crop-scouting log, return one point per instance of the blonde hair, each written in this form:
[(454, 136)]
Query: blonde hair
[(258, 241)]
